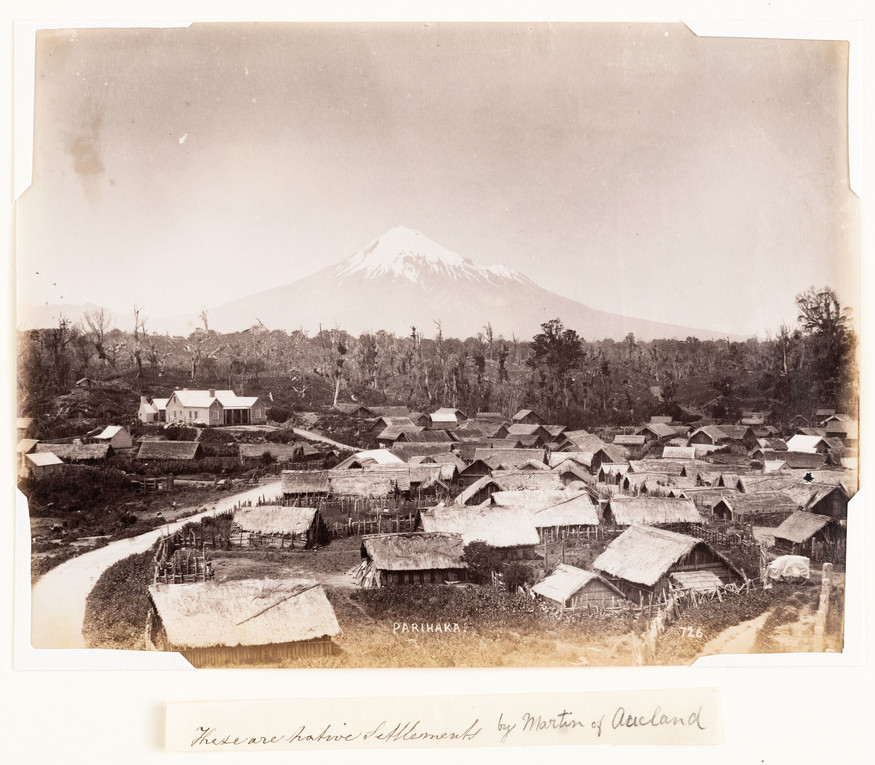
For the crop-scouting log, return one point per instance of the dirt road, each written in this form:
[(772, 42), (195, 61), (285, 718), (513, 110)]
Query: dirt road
[(58, 598), (737, 639)]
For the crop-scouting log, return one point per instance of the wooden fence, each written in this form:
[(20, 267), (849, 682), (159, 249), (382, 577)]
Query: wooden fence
[(376, 524)]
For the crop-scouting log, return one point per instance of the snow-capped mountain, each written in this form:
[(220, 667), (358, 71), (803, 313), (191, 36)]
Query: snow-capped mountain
[(403, 279), (404, 253)]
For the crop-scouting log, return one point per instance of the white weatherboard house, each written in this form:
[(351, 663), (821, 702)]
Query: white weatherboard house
[(214, 407)]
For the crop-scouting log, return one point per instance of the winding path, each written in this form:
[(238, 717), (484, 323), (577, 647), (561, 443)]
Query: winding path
[(312, 436), (58, 598)]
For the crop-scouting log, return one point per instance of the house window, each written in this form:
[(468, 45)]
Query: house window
[(215, 414)]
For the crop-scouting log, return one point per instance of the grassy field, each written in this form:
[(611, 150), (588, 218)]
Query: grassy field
[(471, 626)]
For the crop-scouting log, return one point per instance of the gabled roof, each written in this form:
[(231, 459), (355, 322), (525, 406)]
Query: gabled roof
[(642, 554), (497, 526), (679, 452), (43, 459), (659, 429), (354, 408), (507, 457), (414, 551), (624, 440), (275, 519), (800, 526), (801, 443), (575, 509), (521, 429), (567, 580), (109, 432), (712, 431), (77, 452), (280, 452), (201, 399), (523, 413), (243, 612), (369, 457), (735, 432), (758, 503), (653, 510), (305, 482), (666, 467), (26, 445)]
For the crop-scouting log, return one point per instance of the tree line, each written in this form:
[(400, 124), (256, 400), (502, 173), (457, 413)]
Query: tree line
[(568, 378)]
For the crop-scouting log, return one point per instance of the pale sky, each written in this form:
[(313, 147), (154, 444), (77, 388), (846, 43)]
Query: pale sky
[(635, 168)]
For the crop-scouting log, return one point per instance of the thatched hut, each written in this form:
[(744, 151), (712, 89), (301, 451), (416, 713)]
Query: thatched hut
[(277, 526), (301, 483), (574, 589), (651, 511), (643, 559), (78, 453), (758, 506), (264, 621), (801, 531), (509, 529), (258, 453), (390, 560)]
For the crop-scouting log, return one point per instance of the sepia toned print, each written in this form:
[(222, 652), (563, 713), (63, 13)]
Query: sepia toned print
[(630, 440)]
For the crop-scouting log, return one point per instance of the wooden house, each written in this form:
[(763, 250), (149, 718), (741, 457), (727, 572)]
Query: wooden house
[(574, 589), (528, 417), (279, 526), (655, 431), (568, 516), (570, 472), (354, 409), (651, 511), (808, 443), (234, 623), (170, 450), (116, 436), (148, 412), (645, 561), (39, 465), (393, 560), (759, 505), (801, 531), (214, 407), (707, 435), (508, 529), (446, 418)]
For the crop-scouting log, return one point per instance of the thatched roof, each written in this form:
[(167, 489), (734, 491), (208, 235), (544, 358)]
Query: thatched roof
[(658, 429), (626, 440), (169, 450), (653, 510), (806, 460), (530, 499), (665, 467), (359, 410), (514, 480), (76, 452), (700, 581), (408, 451), (800, 526), (567, 580), (421, 436), (508, 457), (497, 526), (414, 551), (368, 458), (391, 411), (679, 453), (642, 554), (275, 519), (305, 481), (395, 432), (248, 612), (578, 509), (366, 483), (280, 452), (759, 503)]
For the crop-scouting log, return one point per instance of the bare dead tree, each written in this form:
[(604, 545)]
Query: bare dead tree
[(98, 324)]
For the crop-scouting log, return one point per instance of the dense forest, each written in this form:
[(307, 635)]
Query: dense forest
[(570, 379)]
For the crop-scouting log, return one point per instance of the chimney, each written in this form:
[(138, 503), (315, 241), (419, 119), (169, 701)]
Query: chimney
[(212, 392), (144, 400)]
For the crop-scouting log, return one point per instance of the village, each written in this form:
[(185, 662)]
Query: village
[(609, 538)]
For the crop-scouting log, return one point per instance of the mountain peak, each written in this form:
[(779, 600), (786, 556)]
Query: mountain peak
[(406, 253)]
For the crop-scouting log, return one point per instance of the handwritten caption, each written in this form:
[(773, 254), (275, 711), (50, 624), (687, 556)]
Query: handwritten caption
[(672, 717)]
